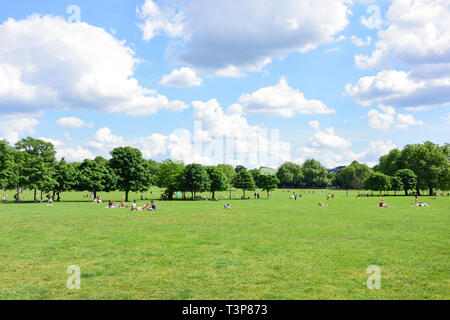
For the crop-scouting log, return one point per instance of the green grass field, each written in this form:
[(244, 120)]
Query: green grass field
[(260, 249)]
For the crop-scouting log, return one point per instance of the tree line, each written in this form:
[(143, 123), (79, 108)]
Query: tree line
[(31, 164), (416, 167)]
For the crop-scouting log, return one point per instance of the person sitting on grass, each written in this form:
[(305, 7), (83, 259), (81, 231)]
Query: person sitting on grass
[(383, 204), (153, 206), (320, 204), (227, 206), (122, 204), (145, 207), (134, 206)]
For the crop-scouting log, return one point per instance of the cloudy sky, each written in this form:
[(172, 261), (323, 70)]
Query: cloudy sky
[(256, 82)]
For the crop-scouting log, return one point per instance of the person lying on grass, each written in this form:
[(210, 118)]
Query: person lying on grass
[(227, 206), (425, 204)]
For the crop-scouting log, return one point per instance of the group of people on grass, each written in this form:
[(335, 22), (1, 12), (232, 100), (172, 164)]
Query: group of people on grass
[(146, 207)]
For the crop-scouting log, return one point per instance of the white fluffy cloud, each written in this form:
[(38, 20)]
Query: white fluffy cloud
[(104, 140), (416, 34), (281, 100), (11, 129), (385, 119), (417, 38), (182, 77), (73, 122), (400, 89), (217, 137), (48, 63), (331, 158), (381, 120), (159, 21), (231, 37), (326, 138)]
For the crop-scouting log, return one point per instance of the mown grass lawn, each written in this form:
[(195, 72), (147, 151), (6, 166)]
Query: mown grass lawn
[(260, 249)]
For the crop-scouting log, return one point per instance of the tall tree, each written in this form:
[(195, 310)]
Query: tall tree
[(396, 184), (315, 175), (353, 176), (408, 178), (229, 172), (268, 183), (218, 180), (8, 175), (169, 177), (390, 163), (37, 164), (290, 174), (131, 170), (256, 173), (66, 176), (196, 179), (428, 161), (95, 177), (243, 180), (377, 181)]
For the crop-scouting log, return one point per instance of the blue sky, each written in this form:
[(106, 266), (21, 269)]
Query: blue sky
[(338, 80)]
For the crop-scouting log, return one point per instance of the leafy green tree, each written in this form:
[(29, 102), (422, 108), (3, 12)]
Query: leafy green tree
[(290, 174), (8, 175), (240, 168), (66, 176), (196, 179), (152, 167), (95, 177), (229, 172), (256, 173), (315, 175), (218, 178), (390, 163), (37, 164), (38, 148), (243, 180), (169, 177), (408, 179), (377, 181), (131, 170), (396, 184), (428, 161), (268, 183), (36, 174), (353, 176)]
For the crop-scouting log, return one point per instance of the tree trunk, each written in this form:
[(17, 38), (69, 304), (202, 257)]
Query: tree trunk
[(406, 192), (126, 195), (230, 193), (35, 195), (244, 193), (59, 198), (418, 191), (213, 195), (267, 194), (95, 195), (431, 191)]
